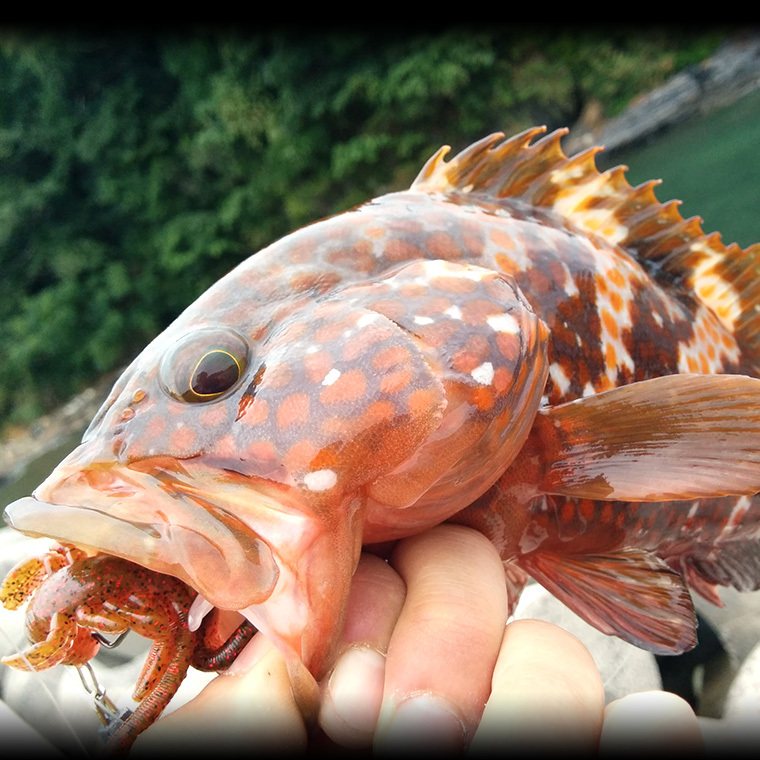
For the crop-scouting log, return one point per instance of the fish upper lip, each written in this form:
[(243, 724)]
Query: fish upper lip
[(181, 532)]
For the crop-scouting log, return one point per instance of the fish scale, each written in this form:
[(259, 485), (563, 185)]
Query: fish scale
[(518, 343)]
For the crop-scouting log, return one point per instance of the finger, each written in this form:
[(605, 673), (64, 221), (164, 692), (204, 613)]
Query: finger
[(650, 720), (353, 692), (443, 649), (547, 693), (256, 709)]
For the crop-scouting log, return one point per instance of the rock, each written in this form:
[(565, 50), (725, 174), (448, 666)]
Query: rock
[(731, 72)]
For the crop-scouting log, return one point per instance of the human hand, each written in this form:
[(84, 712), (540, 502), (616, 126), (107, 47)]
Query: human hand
[(426, 662)]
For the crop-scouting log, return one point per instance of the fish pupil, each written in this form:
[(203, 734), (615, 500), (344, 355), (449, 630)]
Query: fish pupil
[(216, 372)]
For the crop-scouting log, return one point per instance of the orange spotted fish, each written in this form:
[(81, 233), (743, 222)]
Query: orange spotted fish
[(518, 342)]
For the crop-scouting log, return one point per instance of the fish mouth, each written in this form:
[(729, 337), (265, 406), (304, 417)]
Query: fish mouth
[(175, 517), (243, 543)]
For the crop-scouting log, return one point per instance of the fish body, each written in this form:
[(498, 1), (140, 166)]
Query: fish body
[(518, 343)]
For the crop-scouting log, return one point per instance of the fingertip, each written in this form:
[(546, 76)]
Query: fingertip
[(650, 720), (547, 693)]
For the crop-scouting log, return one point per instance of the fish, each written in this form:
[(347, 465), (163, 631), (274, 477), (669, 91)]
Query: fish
[(519, 342)]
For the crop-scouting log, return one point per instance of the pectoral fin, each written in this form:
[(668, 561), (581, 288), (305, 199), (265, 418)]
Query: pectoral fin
[(629, 593), (673, 437)]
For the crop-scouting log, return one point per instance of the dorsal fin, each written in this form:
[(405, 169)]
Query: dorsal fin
[(724, 278)]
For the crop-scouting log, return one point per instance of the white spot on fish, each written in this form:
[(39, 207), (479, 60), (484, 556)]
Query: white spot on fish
[(320, 480), (366, 319), (331, 376), (423, 320), (560, 379), (454, 312), (504, 323), (483, 374)]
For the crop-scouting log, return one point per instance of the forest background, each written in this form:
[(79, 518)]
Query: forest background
[(137, 168)]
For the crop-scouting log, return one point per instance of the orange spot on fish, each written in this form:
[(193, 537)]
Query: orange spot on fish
[(317, 365), (472, 239), (400, 250), (586, 508), (610, 357), (350, 386), (278, 375), (357, 256), (330, 332), (471, 355), (508, 345), (615, 277), (300, 455), (302, 252), (604, 383), (610, 324), (483, 398), (692, 364), (262, 452), (567, 512), (616, 301), (412, 290), (253, 413), (502, 240), (443, 246), (293, 410), (389, 307), (390, 357), (213, 415), (421, 401), (396, 381), (502, 379), (358, 343), (477, 312), (378, 412), (182, 439), (454, 284), (506, 264)]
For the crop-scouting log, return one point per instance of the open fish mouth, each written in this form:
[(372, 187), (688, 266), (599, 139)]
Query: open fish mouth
[(244, 544), (174, 517)]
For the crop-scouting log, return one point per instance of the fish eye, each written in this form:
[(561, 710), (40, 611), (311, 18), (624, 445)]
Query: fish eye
[(204, 365)]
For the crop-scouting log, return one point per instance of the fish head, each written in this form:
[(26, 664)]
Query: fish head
[(249, 447)]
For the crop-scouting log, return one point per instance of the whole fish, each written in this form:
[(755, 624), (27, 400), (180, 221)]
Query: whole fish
[(518, 342)]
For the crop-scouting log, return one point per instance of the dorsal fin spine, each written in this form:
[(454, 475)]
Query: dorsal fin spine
[(538, 173)]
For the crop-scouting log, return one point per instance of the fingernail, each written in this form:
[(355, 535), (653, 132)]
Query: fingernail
[(422, 722), (353, 696)]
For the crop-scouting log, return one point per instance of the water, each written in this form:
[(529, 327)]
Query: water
[(711, 164)]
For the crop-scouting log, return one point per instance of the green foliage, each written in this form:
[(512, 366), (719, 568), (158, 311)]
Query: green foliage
[(137, 169)]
